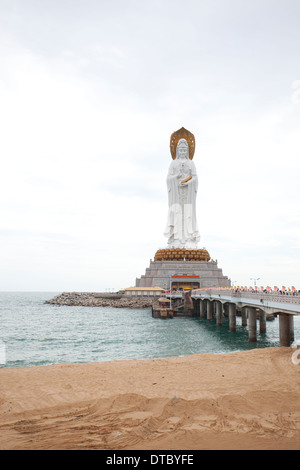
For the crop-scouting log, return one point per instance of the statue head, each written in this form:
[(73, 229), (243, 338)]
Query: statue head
[(182, 149)]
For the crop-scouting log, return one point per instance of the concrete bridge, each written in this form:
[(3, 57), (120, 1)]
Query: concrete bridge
[(251, 305)]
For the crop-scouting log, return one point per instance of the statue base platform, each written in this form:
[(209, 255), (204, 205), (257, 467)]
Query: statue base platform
[(183, 274)]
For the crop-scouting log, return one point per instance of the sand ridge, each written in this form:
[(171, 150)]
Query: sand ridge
[(206, 401)]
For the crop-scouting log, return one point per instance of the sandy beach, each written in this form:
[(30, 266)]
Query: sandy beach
[(244, 400)]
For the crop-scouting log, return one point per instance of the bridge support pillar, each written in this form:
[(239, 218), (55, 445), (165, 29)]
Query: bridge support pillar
[(196, 312), (262, 321), (244, 316), (219, 308), (232, 317), (201, 308), (205, 307), (252, 324), (292, 333), (209, 310), (286, 329)]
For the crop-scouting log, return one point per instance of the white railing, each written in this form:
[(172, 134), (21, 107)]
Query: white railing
[(291, 298)]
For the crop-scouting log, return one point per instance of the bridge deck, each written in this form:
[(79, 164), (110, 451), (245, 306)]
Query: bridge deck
[(271, 303)]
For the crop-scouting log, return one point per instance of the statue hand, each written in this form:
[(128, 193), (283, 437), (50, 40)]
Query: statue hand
[(186, 181)]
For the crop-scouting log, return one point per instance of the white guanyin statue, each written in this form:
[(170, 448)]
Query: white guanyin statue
[(182, 183)]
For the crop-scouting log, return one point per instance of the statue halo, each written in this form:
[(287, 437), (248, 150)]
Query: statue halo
[(182, 134)]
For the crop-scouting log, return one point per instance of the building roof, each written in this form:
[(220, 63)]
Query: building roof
[(144, 288)]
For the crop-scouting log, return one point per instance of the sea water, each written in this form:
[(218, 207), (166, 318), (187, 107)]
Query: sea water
[(33, 333)]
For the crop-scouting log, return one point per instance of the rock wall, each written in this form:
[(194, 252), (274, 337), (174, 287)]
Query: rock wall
[(96, 299)]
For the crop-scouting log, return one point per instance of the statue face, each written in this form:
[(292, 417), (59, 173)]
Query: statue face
[(182, 152)]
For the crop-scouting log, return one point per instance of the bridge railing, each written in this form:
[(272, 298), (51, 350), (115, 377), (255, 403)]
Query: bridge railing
[(268, 296)]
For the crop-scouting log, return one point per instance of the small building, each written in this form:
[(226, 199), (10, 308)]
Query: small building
[(144, 291)]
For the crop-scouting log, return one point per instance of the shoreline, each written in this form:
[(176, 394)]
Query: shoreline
[(241, 400)]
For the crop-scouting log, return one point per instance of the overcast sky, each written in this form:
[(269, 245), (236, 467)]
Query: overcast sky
[(90, 92)]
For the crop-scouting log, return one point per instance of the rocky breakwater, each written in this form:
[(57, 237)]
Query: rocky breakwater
[(96, 299)]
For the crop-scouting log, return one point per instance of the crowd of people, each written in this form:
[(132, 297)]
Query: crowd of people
[(256, 290), (268, 290)]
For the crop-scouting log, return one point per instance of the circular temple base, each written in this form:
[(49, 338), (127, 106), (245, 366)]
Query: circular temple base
[(180, 254)]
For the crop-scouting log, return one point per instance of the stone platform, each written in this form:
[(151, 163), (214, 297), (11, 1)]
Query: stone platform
[(159, 272)]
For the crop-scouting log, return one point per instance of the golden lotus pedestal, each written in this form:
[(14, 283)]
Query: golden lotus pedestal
[(181, 254)]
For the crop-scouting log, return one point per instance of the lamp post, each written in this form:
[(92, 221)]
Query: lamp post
[(170, 292), (254, 279)]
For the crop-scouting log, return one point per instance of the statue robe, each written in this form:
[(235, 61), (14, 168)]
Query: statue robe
[(182, 230)]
